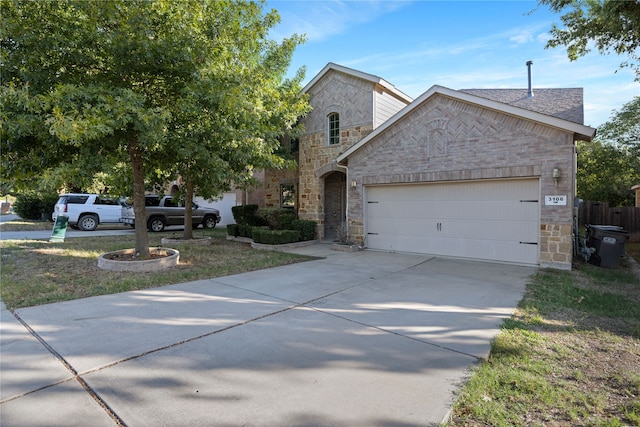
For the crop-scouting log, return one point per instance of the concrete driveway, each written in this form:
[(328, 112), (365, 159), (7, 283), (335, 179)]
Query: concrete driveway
[(353, 339)]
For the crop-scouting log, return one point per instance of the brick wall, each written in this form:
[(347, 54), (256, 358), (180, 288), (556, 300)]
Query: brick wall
[(448, 140), (352, 99)]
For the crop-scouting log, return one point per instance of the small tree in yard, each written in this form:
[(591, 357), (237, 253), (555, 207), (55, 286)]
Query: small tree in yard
[(192, 87)]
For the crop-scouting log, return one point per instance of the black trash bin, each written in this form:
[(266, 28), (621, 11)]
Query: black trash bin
[(608, 242)]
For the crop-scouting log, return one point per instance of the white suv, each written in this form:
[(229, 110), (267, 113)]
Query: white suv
[(86, 211)]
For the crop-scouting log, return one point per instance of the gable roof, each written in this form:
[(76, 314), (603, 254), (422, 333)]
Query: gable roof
[(566, 104), (359, 74), (579, 131)]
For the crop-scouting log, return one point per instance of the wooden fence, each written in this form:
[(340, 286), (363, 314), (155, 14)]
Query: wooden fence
[(599, 213)]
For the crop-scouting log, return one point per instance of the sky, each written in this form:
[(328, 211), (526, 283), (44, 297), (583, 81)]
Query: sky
[(457, 44)]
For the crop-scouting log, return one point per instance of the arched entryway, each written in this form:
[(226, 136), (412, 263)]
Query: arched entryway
[(335, 203)]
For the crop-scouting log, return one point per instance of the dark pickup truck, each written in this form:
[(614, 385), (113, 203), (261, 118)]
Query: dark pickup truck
[(165, 211)]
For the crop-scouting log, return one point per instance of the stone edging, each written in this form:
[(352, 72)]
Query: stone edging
[(283, 247), (280, 248), (156, 264), (346, 248)]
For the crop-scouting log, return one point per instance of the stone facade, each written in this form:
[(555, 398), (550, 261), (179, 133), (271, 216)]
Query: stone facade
[(447, 140), (437, 139), (316, 158)]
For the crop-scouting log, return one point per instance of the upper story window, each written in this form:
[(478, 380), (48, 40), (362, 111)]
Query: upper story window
[(334, 128)]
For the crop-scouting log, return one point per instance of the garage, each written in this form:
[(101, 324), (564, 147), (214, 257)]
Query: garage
[(224, 205), (496, 220)]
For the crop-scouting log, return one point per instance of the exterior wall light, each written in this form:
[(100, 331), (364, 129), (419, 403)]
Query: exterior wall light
[(353, 183), (556, 175)]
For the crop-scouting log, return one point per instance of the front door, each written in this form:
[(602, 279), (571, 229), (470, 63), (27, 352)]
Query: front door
[(334, 205)]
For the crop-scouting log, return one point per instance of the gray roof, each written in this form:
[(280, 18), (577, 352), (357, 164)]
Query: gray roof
[(566, 104)]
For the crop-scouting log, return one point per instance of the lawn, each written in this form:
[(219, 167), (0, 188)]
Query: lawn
[(39, 272), (570, 355)]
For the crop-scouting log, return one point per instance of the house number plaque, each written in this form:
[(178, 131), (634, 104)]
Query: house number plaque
[(558, 200)]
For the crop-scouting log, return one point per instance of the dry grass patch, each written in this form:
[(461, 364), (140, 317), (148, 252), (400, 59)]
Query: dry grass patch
[(570, 356), (25, 225), (39, 272)]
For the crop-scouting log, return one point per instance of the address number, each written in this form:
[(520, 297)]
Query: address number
[(555, 200)]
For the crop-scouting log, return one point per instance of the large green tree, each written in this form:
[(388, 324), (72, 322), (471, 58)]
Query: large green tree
[(228, 124), (606, 173), (624, 127), (610, 165), (607, 25), (130, 80)]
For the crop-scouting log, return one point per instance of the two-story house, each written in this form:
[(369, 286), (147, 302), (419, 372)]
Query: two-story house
[(480, 174)]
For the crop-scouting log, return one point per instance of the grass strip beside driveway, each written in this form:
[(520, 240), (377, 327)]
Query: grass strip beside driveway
[(570, 356), (39, 272)]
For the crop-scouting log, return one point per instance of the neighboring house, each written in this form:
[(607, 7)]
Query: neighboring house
[(479, 174)]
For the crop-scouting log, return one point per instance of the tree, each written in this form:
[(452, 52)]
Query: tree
[(118, 78), (606, 173), (624, 127), (612, 25), (227, 124), (610, 165)]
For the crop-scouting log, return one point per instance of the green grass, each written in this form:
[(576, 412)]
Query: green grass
[(40, 272), (633, 250), (569, 356), (25, 225)]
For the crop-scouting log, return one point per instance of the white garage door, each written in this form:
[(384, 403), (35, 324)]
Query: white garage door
[(490, 220), (224, 205)]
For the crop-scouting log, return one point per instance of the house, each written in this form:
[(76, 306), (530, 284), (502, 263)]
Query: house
[(479, 174), (636, 188)]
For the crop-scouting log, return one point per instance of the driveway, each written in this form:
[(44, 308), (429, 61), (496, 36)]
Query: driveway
[(352, 339)]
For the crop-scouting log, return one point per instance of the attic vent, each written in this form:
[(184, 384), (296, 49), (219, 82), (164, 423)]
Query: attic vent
[(530, 92)]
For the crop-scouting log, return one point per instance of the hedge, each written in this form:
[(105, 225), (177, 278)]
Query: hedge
[(246, 215), (256, 223), (277, 218), (306, 228), (275, 237), (233, 230)]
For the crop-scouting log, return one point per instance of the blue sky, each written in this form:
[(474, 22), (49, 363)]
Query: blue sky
[(456, 44)]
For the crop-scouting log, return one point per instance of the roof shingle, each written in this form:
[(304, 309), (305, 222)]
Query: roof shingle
[(566, 104)]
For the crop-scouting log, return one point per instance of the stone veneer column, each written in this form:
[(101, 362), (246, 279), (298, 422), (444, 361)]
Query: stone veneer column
[(556, 241)]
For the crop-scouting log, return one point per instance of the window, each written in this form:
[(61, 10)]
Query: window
[(334, 128), (80, 200), (287, 196)]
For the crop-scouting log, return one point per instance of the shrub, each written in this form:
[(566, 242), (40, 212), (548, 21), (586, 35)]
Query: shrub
[(34, 206), (244, 230), (233, 230), (278, 218), (246, 215), (275, 237), (306, 228)]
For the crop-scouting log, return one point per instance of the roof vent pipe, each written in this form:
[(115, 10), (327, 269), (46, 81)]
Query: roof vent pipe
[(530, 92)]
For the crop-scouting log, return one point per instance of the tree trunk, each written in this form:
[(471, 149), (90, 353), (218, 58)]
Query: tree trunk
[(188, 211), (142, 237)]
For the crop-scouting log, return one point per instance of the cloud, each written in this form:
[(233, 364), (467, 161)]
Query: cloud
[(320, 20), (522, 38), (543, 37)]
